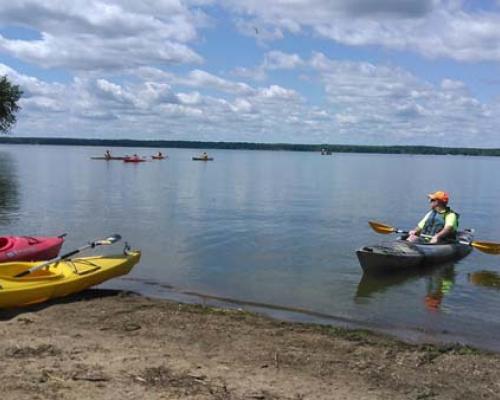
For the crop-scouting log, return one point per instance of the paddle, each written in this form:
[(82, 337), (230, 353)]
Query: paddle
[(485, 247), (109, 240)]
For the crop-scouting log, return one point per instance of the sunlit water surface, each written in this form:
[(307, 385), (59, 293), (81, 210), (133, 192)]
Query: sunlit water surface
[(270, 231)]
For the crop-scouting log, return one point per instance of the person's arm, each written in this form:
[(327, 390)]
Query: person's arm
[(442, 234), (415, 232), (420, 226)]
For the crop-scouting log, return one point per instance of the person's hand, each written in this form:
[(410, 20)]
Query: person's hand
[(412, 236), (434, 239)]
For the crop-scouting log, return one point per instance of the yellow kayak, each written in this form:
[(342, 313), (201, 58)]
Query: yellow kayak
[(60, 278)]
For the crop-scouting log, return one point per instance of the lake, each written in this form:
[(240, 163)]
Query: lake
[(270, 231)]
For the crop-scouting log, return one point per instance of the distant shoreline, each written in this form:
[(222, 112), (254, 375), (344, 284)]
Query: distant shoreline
[(336, 148)]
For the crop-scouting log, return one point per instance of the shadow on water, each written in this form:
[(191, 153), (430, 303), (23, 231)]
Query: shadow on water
[(440, 279), (488, 279), (9, 189)]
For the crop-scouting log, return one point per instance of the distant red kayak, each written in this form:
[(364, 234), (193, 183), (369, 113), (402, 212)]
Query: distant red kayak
[(27, 248), (133, 159)]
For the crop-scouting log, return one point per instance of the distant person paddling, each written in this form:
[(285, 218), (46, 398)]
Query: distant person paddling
[(440, 223)]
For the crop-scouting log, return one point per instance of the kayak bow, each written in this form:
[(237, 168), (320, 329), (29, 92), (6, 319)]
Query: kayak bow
[(27, 248)]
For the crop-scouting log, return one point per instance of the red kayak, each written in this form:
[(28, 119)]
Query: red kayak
[(133, 159), (27, 248)]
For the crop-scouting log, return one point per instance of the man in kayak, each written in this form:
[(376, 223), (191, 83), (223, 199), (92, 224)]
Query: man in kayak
[(439, 224)]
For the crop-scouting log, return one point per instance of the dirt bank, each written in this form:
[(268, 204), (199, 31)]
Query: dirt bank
[(111, 345)]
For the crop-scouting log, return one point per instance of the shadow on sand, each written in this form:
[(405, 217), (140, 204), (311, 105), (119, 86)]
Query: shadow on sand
[(86, 295)]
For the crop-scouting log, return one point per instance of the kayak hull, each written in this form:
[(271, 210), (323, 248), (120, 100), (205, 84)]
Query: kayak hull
[(107, 158), (133, 160), (60, 279), (202, 159), (27, 248), (401, 255), (158, 157)]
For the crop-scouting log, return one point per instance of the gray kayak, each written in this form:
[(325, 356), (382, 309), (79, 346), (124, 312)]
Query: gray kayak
[(401, 255)]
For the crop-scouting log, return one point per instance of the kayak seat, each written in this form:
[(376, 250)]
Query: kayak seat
[(5, 243)]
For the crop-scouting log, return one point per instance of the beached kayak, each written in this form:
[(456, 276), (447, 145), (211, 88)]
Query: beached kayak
[(401, 255), (59, 279), (202, 159), (27, 248)]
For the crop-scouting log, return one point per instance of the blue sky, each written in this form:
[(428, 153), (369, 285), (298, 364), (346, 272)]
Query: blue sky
[(393, 72)]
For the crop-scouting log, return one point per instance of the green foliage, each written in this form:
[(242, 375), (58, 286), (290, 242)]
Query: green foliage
[(9, 96), (335, 148)]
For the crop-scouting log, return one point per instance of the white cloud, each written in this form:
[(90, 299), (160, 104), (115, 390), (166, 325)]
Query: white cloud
[(433, 28), (275, 91), (279, 60), (199, 78), (241, 106), (192, 98), (98, 35), (450, 84)]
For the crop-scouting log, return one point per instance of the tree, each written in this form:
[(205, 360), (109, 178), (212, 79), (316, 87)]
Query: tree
[(9, 96)]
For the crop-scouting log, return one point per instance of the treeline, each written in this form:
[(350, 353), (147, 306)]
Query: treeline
[(336, 148)]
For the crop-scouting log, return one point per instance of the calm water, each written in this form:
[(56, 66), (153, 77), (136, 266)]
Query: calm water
[(274, 228)]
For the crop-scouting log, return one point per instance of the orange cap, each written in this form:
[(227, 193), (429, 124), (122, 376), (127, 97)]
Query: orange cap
[(440, 196)]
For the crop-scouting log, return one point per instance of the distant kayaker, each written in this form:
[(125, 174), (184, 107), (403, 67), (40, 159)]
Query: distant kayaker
[(160, 154), (107, 154), (440, 223), (204, 155)]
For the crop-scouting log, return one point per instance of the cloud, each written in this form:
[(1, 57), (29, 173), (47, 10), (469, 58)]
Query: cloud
[(401, 8), (199, 78), (280, 60), (273, 60), (432, 28), (450, 84), (363, 103), (275, 91), (98, 35), (385, 101), (118, 58)]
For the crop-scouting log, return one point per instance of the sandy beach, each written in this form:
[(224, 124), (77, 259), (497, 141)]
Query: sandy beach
[(115, 345)]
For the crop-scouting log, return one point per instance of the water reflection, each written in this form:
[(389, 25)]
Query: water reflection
[(489, 279), (9, 189), (439, 284), (439, 281)]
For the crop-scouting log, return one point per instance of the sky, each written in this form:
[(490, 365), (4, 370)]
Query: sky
[(377, 72)]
